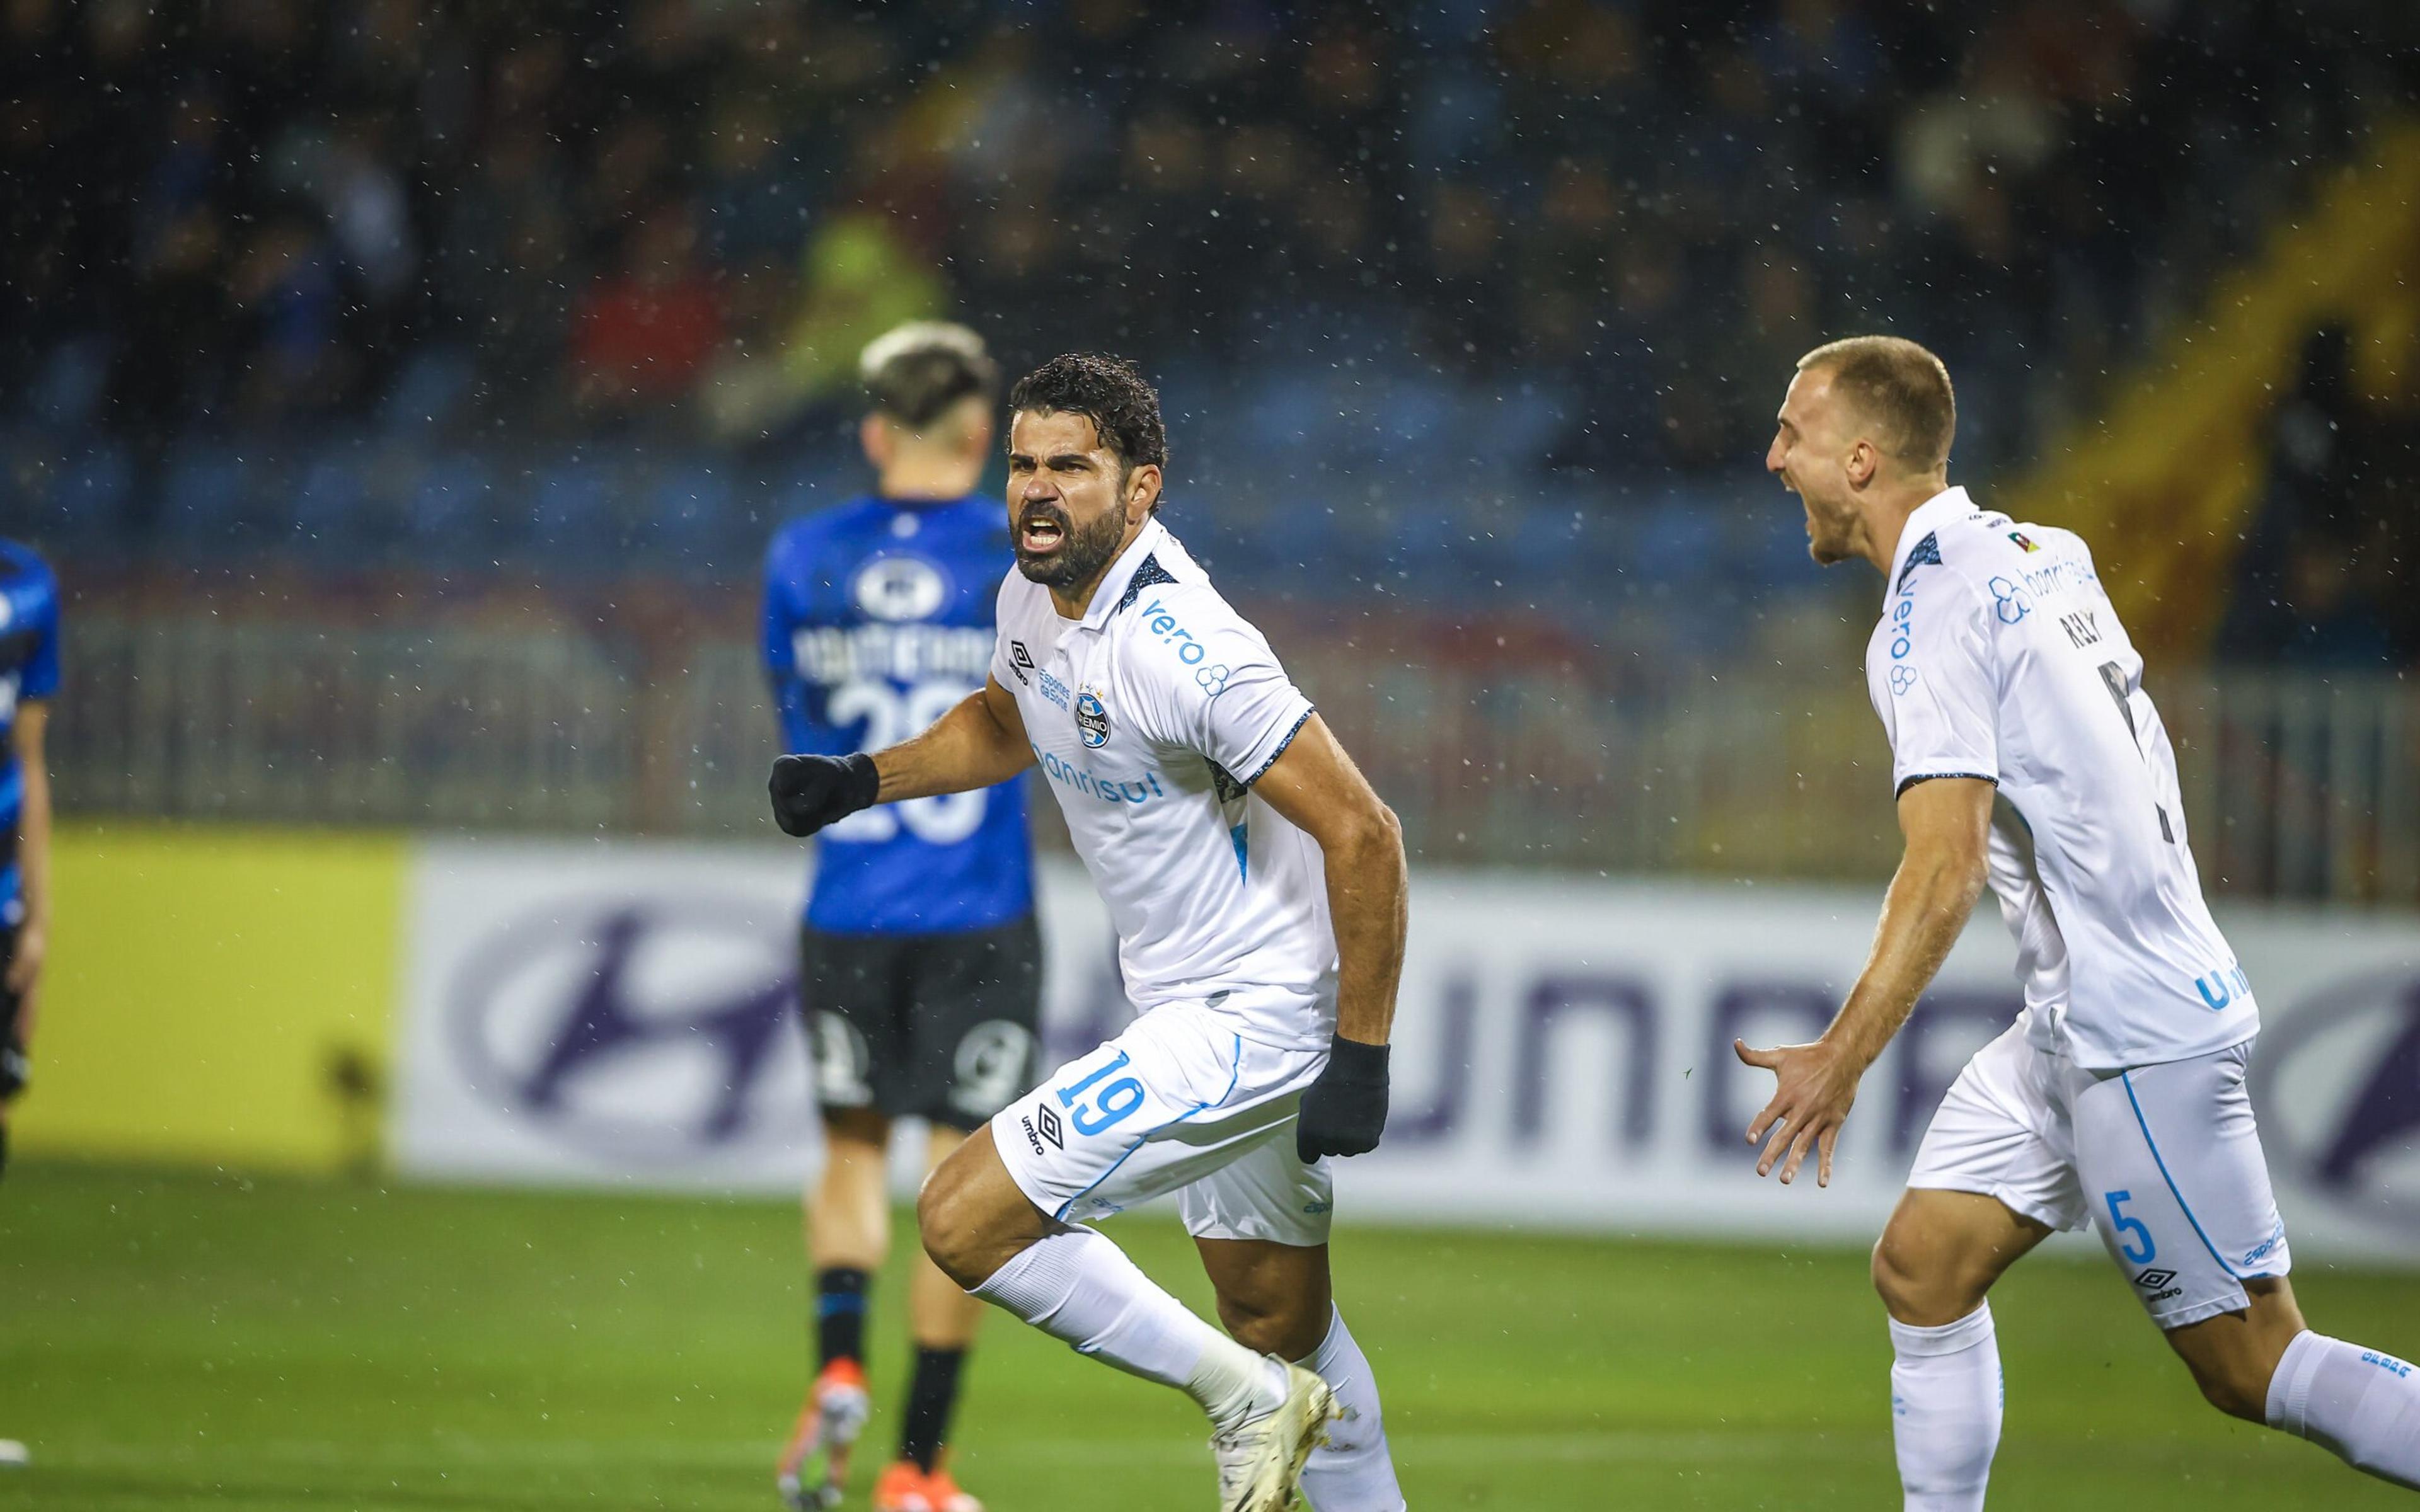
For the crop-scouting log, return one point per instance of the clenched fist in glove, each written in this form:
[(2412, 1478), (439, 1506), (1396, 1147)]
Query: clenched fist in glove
[(1345, 1111), (810, 792)]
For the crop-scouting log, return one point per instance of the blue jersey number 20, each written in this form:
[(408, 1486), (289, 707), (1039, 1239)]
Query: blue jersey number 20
[(1110, 1108)]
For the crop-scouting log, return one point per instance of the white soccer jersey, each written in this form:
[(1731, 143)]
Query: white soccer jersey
[(1152, 717), (2000, 656)]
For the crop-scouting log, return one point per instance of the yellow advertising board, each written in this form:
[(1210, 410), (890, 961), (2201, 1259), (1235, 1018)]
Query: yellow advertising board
[(216, 994)]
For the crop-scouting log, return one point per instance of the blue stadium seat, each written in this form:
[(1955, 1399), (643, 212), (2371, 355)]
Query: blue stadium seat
[(1769, 543), (71, 382), (1515, 423), (689, 508), (329, 501), (1285, 409), (454, 505), (430, 392), (88, 495), (206, 501), (570, 517), (1679, 538)]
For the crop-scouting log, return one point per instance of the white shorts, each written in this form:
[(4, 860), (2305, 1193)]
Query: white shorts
[(2162, 1160), (1179, 1102)]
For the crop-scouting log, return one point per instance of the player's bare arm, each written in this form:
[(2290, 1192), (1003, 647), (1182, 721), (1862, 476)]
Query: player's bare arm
[(1946, 822), (1316, 787), (978, 743), (33, 860)]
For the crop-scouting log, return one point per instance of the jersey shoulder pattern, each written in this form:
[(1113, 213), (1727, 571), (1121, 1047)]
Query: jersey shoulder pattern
[(1925, 552), (1149, 574)]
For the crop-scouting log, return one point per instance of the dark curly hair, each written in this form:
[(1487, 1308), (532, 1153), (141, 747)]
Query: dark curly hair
[(1108, 391)]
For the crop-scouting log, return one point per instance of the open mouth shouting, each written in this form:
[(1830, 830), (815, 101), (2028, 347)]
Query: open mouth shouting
[(1041, 531)]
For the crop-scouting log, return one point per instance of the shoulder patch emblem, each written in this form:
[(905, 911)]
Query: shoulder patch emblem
[(1927, 550), (2023, 540)]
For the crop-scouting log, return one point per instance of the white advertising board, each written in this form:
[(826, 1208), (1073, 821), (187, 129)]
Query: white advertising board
[(624, 1013)]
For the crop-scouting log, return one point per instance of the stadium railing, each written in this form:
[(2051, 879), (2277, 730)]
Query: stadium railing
[(2296, 786)]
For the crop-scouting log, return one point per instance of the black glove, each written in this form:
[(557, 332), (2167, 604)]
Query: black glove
[(810, 791), (1345, 1110)]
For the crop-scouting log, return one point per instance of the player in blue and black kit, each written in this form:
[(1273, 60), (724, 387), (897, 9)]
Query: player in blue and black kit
[(919, 962), (29, 678)]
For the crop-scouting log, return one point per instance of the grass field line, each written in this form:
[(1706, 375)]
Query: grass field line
[(1610, 1445)]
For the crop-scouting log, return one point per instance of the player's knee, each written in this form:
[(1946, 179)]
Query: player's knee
[(1919, 1287), (1271, 1326), (947, 1225), (1894, 1279), (2237, 1388), (971, 1218)]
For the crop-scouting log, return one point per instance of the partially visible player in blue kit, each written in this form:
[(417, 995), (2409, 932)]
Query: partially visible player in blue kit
[(920, 966), (29, 678)]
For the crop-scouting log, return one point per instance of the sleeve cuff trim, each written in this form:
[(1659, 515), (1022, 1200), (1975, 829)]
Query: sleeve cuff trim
[(1908, 783), (1264, 768)]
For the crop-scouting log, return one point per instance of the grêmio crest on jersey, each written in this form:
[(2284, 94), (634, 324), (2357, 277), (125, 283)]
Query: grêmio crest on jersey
[(1092, 719)]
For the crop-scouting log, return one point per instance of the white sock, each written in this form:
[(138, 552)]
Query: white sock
[(1081, 1289), (2360, 1404), (1352, 1472), (1946, 1411)]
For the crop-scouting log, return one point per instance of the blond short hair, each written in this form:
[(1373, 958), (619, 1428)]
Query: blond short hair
[(1900, 389)]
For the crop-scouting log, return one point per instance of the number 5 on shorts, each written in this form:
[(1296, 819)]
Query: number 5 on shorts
[(1117, 1100), (2134, 1227)]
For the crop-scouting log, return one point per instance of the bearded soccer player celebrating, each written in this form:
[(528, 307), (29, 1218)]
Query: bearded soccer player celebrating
[(2028, 756), (1257, 886)]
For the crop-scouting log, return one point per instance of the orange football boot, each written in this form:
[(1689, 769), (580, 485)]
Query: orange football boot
[(904, 1488), (836, 1409)]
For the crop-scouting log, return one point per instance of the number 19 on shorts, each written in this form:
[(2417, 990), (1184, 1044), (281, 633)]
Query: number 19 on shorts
[(1107, 1107)]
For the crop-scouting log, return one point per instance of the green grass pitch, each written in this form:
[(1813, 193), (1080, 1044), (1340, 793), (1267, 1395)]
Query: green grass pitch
[(175, 1340)]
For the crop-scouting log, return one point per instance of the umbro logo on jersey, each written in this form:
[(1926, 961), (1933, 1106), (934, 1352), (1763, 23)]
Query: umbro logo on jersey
[(1020, 661), (1052, 1130), (2153, 1280), (1092, 719)]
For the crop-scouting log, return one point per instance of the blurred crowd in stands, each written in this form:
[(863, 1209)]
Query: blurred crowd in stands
[(414, 257), (2330, 578)]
